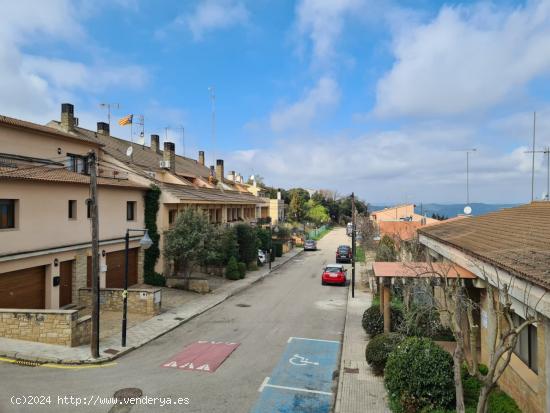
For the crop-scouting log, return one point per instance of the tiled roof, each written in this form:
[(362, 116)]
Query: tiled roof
[(18, 123), (142, 156), (516, 240), (400, 230), (419, 269), (60, 175), (210, 194)]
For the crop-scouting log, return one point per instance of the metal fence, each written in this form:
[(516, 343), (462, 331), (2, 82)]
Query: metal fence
[(314, 233)]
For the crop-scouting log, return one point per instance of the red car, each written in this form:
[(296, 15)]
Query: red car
[(334, 274)]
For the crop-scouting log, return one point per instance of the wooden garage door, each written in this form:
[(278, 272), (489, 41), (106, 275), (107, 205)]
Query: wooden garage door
[(115, 269), (23, 289)]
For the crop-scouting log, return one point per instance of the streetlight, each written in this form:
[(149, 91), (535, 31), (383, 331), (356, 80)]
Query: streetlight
[(145, 242)]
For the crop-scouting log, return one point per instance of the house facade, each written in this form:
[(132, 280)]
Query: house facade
[(184, 182), (45, 228), (507, 247)]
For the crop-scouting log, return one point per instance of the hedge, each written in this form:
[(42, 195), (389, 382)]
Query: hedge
[(373, 321), (419, 376), (379, 348), (232, 269), (242, 269)]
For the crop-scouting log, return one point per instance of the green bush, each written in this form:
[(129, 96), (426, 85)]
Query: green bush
[(373, 321), (262, 236), (242, 269), (232, 269), (500, 402), (278, 249), (419, 376), (154, 279), (421, 321), (379, 348), (247, 241)]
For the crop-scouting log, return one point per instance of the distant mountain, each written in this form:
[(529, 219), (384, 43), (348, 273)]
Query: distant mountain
[(452, 210)]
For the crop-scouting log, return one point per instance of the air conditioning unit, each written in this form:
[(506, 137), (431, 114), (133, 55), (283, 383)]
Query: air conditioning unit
[(165, 164)]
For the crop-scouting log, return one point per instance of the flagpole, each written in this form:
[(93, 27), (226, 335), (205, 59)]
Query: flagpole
[(132, 137)]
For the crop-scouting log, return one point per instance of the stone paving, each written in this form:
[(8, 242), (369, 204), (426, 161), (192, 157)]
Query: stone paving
[(359, 390), (192, 305)]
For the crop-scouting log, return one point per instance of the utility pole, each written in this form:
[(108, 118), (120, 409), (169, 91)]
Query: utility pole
[(95, 254), (353, 245)]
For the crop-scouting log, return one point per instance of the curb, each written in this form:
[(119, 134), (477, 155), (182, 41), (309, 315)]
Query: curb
[(103, 359)]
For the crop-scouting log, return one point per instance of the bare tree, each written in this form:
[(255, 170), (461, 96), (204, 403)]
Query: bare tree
[(453, 299)]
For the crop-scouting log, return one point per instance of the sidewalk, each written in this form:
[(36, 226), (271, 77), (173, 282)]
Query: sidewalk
[(140, 334), (359, 390)]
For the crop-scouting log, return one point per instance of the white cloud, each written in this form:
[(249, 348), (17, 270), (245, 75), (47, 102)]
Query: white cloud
[(324, 95), (210, 15), (467, 58), (33, 84), (322, 22)]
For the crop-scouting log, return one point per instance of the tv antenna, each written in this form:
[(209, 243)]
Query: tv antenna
[(545, 151), (141, 122), (109, 106), (182, 129), (468, 208)]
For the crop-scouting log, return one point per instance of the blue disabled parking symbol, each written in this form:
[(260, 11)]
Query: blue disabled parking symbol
[(302, 380)]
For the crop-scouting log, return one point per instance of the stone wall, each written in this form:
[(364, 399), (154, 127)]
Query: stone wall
[(62, 327), (140, 300)]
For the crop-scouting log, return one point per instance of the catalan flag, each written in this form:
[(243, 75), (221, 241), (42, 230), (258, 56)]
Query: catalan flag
[(126, 120)]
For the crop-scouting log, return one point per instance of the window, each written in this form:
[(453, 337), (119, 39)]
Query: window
[(89, 208), (131, 210), (72, 209), (526, 347), (172, 214), (7, 213), (77, 163)]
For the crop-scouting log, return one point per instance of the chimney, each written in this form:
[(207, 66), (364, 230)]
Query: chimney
[(169, 155), (232, 177), (155, 143), (103, 128), (219, 170), (212, 171), (201, 157), (67, 117)]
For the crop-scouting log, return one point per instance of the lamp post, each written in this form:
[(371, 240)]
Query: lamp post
[(145, 242)]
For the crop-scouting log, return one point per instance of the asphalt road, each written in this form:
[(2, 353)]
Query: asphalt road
[(291, 302)]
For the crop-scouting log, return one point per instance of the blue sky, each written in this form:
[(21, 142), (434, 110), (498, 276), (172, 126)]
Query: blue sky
[(377, 97)]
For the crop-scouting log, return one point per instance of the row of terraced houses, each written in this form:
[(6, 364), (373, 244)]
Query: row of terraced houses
[(45, 226)]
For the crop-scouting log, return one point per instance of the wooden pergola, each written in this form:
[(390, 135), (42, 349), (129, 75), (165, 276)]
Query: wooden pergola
[(385, 271)]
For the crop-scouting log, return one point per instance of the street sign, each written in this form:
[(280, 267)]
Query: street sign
[(202, 356)]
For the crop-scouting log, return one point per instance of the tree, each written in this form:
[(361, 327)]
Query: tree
[(317, 213), (186, 242), (386, 250), (297, 210), (248, 243), (454, 300)]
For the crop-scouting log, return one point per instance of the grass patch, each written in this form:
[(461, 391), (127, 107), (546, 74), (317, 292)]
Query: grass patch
[(359, 254), (321, 234)]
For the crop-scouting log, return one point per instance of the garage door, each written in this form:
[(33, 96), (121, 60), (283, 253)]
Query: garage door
[(115, 269), (23, 289)]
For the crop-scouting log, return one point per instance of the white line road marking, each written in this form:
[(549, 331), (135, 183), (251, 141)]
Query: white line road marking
[(312, 339), (265, 384)]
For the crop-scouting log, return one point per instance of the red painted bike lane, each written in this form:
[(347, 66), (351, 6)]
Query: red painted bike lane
[(202, 356)]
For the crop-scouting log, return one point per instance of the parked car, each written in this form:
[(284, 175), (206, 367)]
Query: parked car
[(310, 245), (343, 253), (334, 274), (262, 258)]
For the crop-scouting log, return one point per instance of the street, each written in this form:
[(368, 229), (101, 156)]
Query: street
[(281, 336)]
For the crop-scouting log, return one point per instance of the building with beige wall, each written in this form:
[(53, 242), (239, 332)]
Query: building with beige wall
[(45, 230), (507, 247), (184, 182)]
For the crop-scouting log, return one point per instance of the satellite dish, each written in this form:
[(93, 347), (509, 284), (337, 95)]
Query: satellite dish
[(467, 209), (129, 151)]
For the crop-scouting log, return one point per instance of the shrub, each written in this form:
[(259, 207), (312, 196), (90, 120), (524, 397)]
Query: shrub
[(379, 348), (232, 269), (373, 321), (262, 235), (421, 321), (500, 402), (248, 243), (154, 279), (242, 269), (278, 249), (419, 375)]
